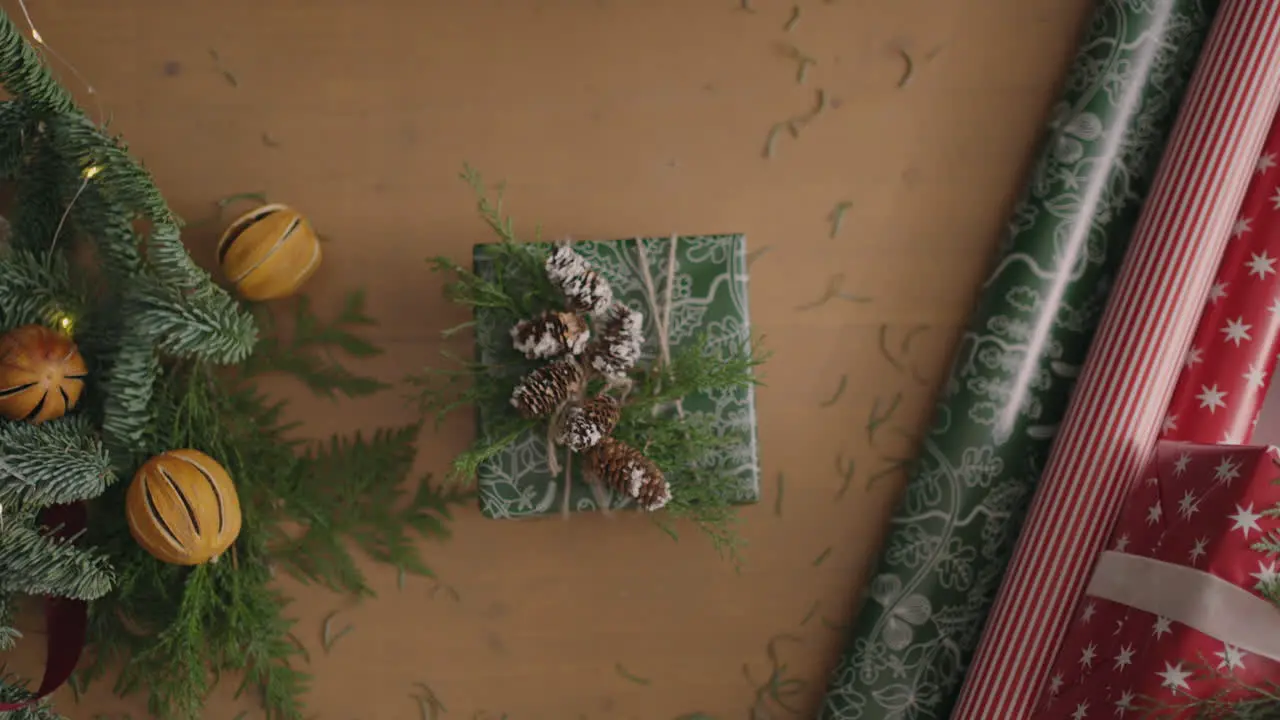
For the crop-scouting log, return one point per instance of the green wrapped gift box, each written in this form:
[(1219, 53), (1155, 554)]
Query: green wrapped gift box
[(708, 303)]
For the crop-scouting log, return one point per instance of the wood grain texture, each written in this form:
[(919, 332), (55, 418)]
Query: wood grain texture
[(606, 119)]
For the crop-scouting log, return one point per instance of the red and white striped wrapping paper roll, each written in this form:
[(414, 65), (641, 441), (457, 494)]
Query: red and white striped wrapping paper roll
[(1231, 359), (1125, 386)]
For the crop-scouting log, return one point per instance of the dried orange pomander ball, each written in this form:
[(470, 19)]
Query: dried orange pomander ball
[(268, 253), (41, 374), (182, 508)]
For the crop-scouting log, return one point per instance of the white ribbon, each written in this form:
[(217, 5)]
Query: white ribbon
[(1195, 598)]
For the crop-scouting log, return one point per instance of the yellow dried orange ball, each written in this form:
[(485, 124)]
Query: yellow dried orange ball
[(268, 253), (182, 507), (41, 374)]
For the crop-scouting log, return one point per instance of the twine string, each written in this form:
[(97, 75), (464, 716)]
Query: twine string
[(661, 310)]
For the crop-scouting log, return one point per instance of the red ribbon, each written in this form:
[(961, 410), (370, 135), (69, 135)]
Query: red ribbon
[(67, 621)]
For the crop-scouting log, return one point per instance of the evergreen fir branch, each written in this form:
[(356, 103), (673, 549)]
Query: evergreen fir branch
[(116, 243), (210, 327), (58, 462), (25, 76), (120, 178), (35, 562), (173, 266), (1270, 543), (308, 354), (38, 202), (36, 291), (17, 118), (13, 690), (9, 635), (128, 385)]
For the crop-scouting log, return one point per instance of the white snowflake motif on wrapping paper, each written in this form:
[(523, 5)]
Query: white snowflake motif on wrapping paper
[(904, 614), (955, 565), (979, 466)]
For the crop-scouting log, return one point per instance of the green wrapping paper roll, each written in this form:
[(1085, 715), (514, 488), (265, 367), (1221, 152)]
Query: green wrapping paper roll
[(969, 490)]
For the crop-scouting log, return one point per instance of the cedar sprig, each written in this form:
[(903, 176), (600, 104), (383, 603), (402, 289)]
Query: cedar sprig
[(699, 493), (306, 352), (173, 631), (698, 368)]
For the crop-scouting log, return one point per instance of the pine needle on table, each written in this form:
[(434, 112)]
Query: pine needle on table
[(813, 610), (909, 70), (837, 216), (833, 291), (846, 472), (429, 704), (876, 419), (631, 677), (793, 20), (327, 635), (835, 397), (884, 349)]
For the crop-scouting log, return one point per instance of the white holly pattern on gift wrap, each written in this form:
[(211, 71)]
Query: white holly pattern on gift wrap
[(1143, 661), (1220, 392), (708, 298)]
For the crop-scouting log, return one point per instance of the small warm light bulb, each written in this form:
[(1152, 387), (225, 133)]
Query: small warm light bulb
[(35, 35), (91, 171), (64, 322)]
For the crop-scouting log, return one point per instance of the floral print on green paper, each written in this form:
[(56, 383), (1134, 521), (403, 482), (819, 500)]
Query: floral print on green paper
[(1014, 369)]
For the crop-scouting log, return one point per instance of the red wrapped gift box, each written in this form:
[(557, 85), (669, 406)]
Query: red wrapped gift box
[(1173, 613)]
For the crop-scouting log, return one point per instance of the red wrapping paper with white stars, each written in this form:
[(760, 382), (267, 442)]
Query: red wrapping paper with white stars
[(1198, 506), (1231, 360)]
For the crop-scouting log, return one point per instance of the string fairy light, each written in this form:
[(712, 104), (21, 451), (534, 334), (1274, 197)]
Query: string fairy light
[(39, 40), (88, 174), (91, 171)]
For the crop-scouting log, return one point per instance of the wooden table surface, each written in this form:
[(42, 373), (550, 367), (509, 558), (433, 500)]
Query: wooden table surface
[(606, 118)]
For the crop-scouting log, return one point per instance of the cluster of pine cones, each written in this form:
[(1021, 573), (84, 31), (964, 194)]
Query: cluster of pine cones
[(555, 390)]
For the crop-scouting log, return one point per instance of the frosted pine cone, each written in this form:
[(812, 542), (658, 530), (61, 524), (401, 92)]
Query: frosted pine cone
[(543, 390), (617, 347), (584, 289), (550, 334), (627, 470), (587, 424)]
